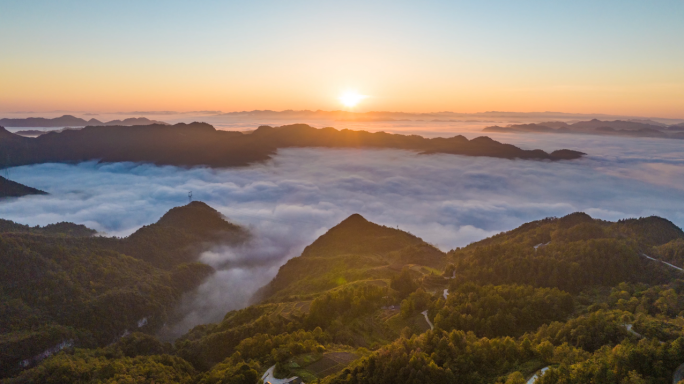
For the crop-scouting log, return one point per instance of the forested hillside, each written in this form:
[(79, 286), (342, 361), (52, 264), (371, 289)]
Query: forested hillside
[(354, 250), (584, 299), (61, 286)]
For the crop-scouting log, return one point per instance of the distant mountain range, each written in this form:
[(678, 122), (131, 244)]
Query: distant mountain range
[(443, 116), (71, 121), (201, 144), (632, 128)]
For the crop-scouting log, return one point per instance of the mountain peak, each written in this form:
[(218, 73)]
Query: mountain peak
[(166, 242), (354, 219), (573, 219), (357, 235), (193, 217)]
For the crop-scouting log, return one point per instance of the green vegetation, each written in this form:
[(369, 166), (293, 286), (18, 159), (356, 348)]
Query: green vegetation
[(354, 250), (60, 286), (502, 310), (573, 294), (574, 253)]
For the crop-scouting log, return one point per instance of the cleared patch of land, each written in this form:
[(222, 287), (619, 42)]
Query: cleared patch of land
[(330, 363)]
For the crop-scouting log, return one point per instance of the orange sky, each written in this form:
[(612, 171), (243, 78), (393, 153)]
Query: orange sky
[(435, 57)]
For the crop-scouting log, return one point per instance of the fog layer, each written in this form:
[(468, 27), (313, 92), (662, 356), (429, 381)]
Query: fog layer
[(288, 202)]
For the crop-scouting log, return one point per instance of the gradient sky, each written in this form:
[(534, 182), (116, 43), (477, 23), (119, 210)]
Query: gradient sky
[(620, 57)]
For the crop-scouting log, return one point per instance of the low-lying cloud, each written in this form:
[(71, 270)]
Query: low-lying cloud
[(288, 202)]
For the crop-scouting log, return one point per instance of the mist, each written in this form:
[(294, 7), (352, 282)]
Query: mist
[(286, 203)]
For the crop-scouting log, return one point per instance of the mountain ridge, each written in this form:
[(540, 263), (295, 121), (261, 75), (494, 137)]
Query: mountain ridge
[(200, 144), (629, 128), (70, 120)]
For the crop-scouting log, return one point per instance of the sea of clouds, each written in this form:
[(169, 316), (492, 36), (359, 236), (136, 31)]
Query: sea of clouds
[(292, 199)]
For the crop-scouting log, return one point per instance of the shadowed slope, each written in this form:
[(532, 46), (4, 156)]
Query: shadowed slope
[(201, 144), (9, 188)]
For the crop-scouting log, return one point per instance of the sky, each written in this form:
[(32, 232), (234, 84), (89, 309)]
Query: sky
[(618, 57)]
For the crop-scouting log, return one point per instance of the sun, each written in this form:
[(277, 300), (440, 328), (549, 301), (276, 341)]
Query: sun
[(351, 98)]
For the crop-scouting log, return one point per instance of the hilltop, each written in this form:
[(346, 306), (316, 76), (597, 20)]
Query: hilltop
[(201, 144), (181, 235)]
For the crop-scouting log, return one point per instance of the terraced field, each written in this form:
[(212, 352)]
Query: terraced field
[(330, 363), (311, 367), (287, 310)]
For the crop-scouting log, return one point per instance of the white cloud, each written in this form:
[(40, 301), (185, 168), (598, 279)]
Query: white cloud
[(288, 202)]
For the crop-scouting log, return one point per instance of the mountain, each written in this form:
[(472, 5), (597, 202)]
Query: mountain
[(302, 135), (630, 128), (445, 116), (347, 273), (535, 128), (62, 287), (570, 299), (354, 250), (63, 121), (9, 188), (200, 144), (71, 121), (676, 127), (180, 144), (180, 235), (617, 125), (571, 253)]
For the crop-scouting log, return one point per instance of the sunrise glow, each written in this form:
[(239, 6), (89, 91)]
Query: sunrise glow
[(351, 98)]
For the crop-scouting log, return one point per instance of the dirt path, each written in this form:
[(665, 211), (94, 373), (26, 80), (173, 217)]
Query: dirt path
[(664, 262), (678, 374), (534, 378), (630, 330), (426, 319), (268, 377)]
